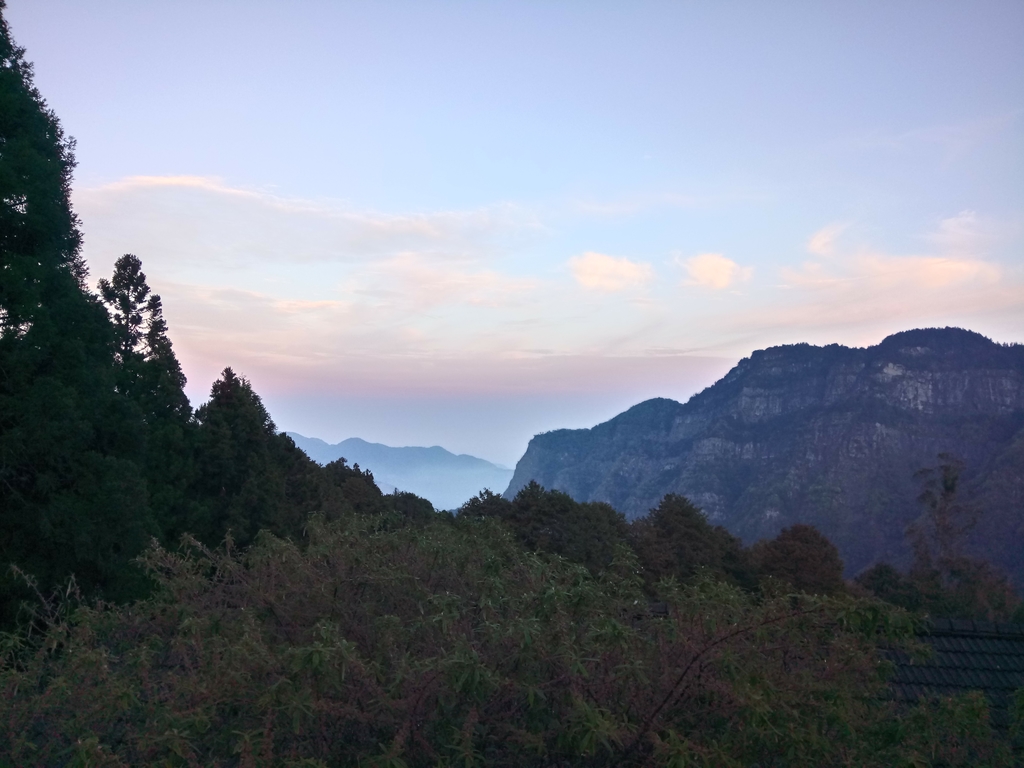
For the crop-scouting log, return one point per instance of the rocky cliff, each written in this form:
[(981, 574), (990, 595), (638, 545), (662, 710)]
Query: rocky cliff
[(830, 436)]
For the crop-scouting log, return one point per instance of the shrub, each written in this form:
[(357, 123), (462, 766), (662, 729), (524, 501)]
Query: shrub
[(441, 644)]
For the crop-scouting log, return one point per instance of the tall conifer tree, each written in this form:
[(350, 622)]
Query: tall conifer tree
[(147, 373), (248, 476), (72, 498)]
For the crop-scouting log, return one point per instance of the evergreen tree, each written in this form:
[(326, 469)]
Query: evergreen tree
[(126, 294), (350, 489), (72, 498), (801, 556), (248, 477), (149, 376), (677, 540), (39, 236), (413, 508), (590, 533), (149, 370), (168, 378), (942, 581)]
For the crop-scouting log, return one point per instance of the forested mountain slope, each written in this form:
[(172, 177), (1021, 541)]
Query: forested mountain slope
[(830, 436)]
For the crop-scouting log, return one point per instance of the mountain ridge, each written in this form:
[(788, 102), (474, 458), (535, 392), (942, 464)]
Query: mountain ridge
[(830, 436), (444, 478)]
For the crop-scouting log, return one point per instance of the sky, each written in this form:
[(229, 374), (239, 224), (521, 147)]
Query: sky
[(464, 223)]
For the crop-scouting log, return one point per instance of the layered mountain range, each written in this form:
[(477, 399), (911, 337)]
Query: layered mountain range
[(446, 479), (831, 436)]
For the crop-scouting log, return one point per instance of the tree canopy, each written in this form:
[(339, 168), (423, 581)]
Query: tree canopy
[(676, 540), (941, 580), (802, 557), (451, 643), (72, 496), (590, 533)]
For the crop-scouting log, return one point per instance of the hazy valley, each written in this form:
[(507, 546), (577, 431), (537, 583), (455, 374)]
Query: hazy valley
[(445, 479)]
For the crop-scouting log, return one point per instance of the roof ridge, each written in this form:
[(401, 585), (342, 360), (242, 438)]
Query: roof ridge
[(974, 628)]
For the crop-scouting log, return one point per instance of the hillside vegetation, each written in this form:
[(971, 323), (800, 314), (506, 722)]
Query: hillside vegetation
[(380, 640)]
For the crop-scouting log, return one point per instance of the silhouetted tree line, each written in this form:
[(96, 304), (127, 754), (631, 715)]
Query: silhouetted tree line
[(100, 450), (675, 540)]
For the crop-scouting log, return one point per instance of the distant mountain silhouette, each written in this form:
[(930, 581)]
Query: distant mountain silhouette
[(830, 436), (447, 480)]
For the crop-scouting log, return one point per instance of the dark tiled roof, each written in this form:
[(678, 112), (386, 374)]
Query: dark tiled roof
[(966, 656)]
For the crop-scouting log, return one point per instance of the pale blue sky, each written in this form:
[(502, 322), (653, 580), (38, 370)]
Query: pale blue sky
[(462, 223)]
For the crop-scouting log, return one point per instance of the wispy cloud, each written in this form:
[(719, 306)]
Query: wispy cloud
[(713, 270), (423, 283), (960, 240), (311, 286), (861, 295), (195, 217), (823, 242), (873, 271), (968, 234), (600, 272), (954, 140), (297, 289)]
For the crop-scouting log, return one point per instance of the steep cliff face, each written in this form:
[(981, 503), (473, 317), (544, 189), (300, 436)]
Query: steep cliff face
[(830, 436)]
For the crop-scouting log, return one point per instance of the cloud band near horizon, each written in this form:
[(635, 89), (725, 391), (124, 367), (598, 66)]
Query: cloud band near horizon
[(476, 301)]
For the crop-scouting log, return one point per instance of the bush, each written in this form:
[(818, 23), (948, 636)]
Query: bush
[(676, 540), (590, 533), (801, 557), (440, 644)]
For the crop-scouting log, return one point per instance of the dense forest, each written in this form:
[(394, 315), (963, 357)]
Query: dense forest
[(186, 587)]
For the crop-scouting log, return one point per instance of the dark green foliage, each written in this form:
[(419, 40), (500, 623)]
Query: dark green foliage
[(248, 477), (803, 558), (486, 504), (967, 589), (147, 373), (888, 584), (351, 489), (450, 644), (39, 236), (942, 581), (411, 507), (127, 295), (72, 497), (676, 540), (591, 533)]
